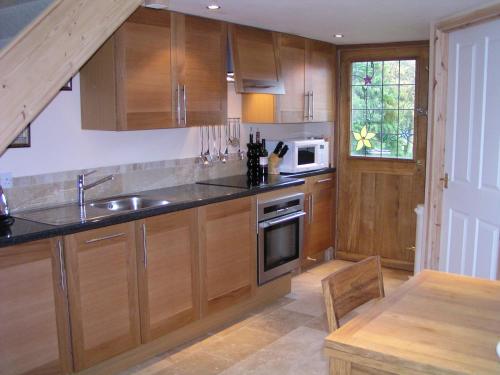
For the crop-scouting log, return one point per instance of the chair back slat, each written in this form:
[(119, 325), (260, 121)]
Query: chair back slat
[(351, 287)]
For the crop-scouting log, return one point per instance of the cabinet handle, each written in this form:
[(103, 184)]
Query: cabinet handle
[(111, 236), (323, 180), (311, 200), (312, 105), (62, 274), (185, 103), (306, 106), (178, 105), (145, 245)]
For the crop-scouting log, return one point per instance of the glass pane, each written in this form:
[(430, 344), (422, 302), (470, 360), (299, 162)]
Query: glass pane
[(407, 96), (382, 109), (374, 97), (15, 15), (391, 96), (391, 72), (407, 73)]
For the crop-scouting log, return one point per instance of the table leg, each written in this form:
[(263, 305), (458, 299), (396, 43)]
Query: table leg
[(339, 367)]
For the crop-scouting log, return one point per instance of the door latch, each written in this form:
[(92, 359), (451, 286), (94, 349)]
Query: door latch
[(445, 180)]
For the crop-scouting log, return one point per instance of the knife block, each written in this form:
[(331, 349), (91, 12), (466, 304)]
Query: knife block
[(274, 164)]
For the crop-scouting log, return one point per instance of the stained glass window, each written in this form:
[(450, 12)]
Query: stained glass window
[(383, 109)]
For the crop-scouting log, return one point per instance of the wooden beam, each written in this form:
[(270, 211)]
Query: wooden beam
[(466, 19), (36, 64)]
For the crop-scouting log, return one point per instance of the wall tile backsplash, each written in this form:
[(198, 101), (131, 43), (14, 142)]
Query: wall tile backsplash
[(60, 188)]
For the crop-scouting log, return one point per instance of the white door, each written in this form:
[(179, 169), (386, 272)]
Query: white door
[(471, 205)]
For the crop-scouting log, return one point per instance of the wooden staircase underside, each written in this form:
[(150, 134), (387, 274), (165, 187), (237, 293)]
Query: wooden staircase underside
[(36, 64)]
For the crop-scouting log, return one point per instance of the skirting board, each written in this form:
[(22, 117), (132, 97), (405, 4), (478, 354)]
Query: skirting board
[(264, 294), (389, 263)]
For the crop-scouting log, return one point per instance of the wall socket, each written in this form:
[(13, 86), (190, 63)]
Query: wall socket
[(6, 180)]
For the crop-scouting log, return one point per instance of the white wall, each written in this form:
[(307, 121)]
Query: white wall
[(59, 144)]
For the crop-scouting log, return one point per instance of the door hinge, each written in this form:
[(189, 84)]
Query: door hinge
[(445, 180)]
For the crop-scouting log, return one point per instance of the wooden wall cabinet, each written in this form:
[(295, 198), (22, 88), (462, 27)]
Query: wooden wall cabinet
[(159, 70), (103, 300), (308, 72), (228, 236), (256, 60), (168, 272), (319, 230), (34, 334), (200, 54)]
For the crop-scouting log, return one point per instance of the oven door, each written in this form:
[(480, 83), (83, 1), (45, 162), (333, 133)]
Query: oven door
[(280, 243)]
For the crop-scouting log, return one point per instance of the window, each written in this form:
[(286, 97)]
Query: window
[(383, 109)]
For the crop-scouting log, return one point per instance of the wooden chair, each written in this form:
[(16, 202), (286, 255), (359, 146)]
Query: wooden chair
[(350, 287)]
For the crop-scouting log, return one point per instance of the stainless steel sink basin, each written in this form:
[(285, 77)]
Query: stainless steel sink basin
[(128, 203)]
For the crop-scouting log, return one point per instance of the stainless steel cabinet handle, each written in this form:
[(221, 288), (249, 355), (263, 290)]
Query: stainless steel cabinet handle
[(105, 238), (62, 273), (185, 103), (323, 180), (145, 245), (312, 105), (306, 106), (311, 209), (178, 104)]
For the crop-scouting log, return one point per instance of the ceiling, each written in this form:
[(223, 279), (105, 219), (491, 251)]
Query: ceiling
[(361, 21)]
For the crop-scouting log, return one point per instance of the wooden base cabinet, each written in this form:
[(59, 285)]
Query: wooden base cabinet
[(34, 332), (319, 230), (228, 251), (103, 300), (168, 272)]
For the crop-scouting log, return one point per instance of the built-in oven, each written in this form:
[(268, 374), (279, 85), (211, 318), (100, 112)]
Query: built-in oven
[(280, 236)]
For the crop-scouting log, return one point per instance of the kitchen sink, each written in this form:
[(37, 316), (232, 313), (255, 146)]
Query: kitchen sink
[(128, 203)]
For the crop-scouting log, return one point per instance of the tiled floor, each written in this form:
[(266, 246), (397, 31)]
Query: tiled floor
[(284, 338)]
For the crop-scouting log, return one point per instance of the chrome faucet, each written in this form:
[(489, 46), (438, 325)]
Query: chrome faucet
[(81, 187)]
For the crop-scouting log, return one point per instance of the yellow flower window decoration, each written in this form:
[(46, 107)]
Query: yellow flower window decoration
[(363, 138)]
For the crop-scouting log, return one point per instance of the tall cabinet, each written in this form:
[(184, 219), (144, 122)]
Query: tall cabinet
[(158, 70)]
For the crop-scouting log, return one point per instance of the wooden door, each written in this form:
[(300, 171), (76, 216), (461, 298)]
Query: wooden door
[(471, 198), (34, 321), (200, 62), (256, 61), (320, 81), (144, 72), (168, 268), (378, 192), (320, 208), (291, 105), (228, 250), (102, 282)]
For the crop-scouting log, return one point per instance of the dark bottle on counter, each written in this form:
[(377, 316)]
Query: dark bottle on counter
[(252, 162), (263, 161)]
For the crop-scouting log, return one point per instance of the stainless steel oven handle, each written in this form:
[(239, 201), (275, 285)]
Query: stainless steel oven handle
[(270, 223)]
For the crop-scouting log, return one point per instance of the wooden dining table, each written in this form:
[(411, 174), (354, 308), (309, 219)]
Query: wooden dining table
[(435, 323)]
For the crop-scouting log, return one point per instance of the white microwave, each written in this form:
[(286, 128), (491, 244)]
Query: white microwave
[(303, 155)]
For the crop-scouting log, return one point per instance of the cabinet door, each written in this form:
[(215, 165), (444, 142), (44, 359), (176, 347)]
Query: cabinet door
[(200, 58), (102, 281), (228, 250), (168, 272), (320, 206), (291, 105), (320, 80), (33, 310), (144, 75), (256, 60)]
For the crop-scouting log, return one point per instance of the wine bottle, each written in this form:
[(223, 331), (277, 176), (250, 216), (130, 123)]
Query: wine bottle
[(263, 161)]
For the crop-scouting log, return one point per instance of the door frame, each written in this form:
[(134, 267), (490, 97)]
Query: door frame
[(436, 136)]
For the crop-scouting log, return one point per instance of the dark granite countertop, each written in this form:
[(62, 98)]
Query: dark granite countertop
[(310, 173), (32, 225)]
